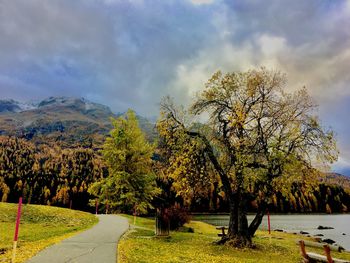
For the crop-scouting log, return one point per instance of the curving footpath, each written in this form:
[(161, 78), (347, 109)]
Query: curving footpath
[(96, 245)]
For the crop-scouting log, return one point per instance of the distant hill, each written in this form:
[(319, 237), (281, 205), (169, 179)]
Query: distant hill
[(338, 180), (65, 120)]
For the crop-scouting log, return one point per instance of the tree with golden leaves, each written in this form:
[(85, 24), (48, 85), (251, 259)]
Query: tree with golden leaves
[(255, 133)]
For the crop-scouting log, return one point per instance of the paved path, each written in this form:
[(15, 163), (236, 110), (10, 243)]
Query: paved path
[(96, 245)]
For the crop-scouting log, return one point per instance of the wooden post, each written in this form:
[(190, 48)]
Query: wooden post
[(135, 215), (327, 251), (70, 204), (268, 222), (16, 230), (223, 231), (303, 251)]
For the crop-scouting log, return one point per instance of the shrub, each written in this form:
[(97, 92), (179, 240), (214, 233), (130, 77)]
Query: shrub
[(178, 216)]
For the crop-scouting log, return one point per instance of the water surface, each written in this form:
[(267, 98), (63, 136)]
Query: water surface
[(297, 223)]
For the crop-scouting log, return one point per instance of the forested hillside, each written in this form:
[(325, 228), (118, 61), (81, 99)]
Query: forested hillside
[(47, 175), (324, 198), (61, 176)]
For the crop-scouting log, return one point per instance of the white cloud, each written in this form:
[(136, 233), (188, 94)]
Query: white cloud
[(192, 74), (272, 46), (202, 2)]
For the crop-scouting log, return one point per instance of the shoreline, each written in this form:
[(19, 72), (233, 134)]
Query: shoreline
[(302, 224), (252, 214), (140, 245)]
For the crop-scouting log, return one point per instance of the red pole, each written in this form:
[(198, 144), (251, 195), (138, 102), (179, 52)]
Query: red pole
[(96, 206), (18, 219), (268, 221)]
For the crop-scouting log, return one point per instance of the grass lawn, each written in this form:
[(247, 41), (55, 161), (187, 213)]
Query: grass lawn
[(40, 227), (140, 245)]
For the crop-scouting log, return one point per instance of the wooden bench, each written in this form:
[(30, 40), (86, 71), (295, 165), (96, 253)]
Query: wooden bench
[(309, 257), (222, 228)]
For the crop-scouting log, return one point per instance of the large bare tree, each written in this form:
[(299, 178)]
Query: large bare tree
[(255, 133)]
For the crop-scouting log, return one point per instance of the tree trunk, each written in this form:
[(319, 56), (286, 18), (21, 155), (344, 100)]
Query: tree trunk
[(30, 195), (254, 225), (233, 224), (238, 231), (162, 222), (238, 234), (215, 196)]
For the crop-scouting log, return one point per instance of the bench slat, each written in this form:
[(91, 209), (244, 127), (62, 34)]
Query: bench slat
[(324, 258), (317, 256), (337, 260)]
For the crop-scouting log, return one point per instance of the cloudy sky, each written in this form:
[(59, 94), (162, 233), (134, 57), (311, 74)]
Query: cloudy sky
[(131, 53)]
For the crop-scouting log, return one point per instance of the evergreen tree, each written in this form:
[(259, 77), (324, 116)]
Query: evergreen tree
[(130, 185)]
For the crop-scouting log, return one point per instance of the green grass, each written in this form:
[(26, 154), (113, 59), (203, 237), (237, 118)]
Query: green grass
[(140, 245), (40, 227), (140, 221)]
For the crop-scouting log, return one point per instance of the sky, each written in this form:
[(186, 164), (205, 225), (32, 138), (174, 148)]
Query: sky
[(131, 53)]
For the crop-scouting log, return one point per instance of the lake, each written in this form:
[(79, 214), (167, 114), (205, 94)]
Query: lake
[(297, 223)]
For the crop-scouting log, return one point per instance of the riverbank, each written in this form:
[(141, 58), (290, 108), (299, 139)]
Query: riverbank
[(140, 245), (294, 223)]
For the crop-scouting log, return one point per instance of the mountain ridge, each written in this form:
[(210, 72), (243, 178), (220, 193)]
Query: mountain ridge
[(14, 106), (67, 120), (338, 179)]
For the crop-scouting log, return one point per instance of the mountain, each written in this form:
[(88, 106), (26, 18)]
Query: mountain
[(65, 120), (337, 179), (14, 106)]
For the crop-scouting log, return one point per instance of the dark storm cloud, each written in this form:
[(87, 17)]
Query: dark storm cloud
[(121, 52), (131, 53)]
